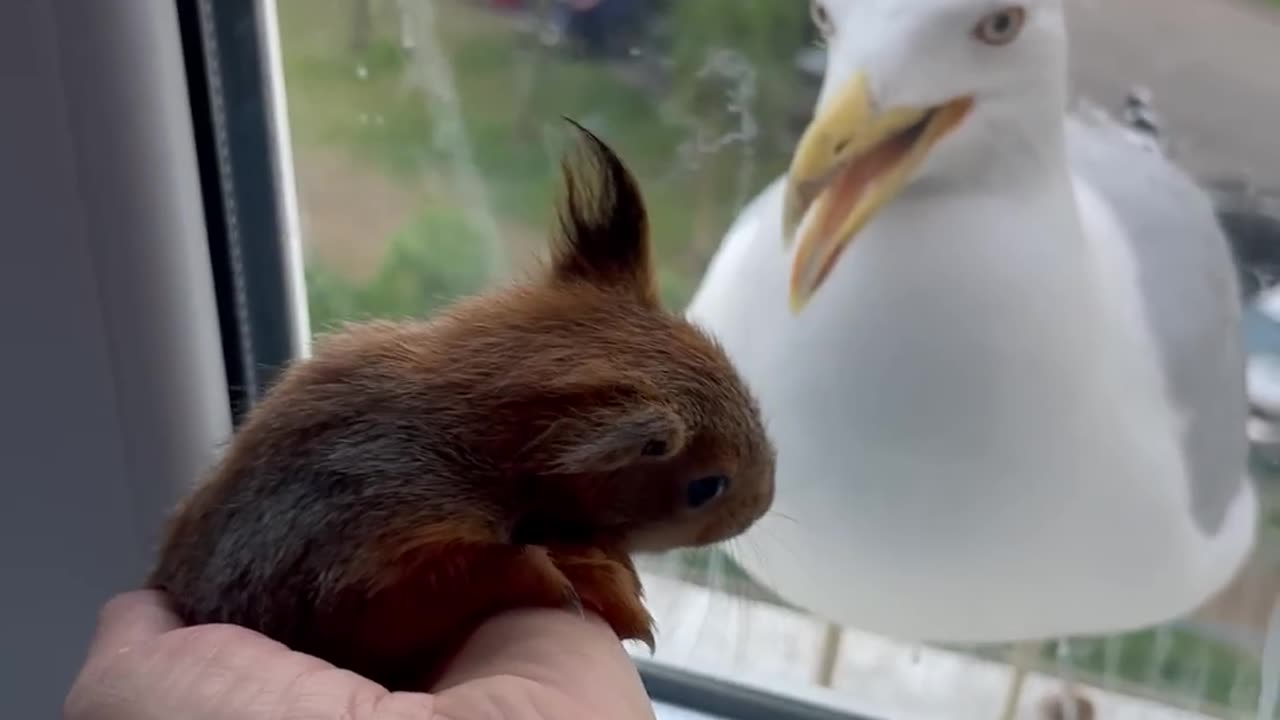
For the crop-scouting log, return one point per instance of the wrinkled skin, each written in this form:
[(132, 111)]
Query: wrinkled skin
[(525, 665)]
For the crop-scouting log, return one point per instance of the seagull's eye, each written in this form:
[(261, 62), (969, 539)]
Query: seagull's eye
[(821, 18), (1001, 26)]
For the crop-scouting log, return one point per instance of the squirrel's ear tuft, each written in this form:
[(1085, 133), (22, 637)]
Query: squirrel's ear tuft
[(603, 233)]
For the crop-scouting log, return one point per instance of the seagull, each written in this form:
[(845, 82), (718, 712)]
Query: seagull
[(997, 344)]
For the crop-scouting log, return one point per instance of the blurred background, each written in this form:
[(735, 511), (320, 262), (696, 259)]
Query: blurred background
[(426, 138)]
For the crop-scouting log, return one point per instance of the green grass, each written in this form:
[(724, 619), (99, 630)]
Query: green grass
[(515, 136), (331, 105), (433, 260)]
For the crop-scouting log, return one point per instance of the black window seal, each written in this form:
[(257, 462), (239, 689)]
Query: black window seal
[(236, 140)]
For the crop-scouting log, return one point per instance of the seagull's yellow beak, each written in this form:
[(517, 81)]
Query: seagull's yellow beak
[(852, 159)]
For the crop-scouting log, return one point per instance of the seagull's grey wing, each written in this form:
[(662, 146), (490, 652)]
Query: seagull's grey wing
[(1190, 288)]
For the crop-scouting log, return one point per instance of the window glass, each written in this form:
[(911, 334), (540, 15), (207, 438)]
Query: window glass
[(426, 140)]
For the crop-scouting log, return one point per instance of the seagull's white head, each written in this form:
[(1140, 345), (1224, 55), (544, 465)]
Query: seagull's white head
[(918, 91)]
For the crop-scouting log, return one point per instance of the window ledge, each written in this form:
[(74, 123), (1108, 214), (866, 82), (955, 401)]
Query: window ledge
[(774, 650)]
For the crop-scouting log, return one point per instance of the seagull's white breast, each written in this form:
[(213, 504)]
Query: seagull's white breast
[(970, 373)]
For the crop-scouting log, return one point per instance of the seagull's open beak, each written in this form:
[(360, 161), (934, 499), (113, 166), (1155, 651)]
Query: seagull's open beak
[(852, 159)]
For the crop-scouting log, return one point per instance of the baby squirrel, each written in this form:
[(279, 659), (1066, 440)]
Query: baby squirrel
[(411, 479)]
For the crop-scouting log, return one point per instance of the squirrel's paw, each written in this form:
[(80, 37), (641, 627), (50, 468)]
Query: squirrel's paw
[(609, 586)]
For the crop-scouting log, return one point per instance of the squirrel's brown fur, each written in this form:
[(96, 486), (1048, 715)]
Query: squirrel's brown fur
[(411, 479)]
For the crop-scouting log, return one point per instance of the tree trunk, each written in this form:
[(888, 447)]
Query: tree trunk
[(361, 25)]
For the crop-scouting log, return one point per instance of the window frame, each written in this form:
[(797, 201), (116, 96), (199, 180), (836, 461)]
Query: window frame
[(243, 147)]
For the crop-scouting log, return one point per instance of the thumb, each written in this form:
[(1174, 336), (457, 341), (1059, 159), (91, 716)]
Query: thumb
[(130, 619), (126, 621)]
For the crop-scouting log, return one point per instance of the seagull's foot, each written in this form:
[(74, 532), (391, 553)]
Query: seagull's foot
[(1020, 657), (1068, 704)]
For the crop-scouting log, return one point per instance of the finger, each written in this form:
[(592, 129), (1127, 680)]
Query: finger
[(130, 619), (580, 656), (405, 706), (125, 621)]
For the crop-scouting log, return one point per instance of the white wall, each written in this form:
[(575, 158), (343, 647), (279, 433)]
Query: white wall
[(112, 391)]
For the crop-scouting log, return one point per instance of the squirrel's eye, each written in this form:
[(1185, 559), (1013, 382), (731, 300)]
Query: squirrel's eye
[(1002, 26), (821, 18), (704, 490), (654, 448)]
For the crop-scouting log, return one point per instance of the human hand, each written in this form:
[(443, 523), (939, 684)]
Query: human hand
[(522, 665)]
